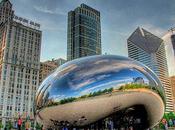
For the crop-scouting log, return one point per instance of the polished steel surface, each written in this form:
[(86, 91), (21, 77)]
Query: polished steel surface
[(90, 78)]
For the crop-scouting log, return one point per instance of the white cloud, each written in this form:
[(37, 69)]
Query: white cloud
[(57, 97), (48, 11), (158, 31), (49, 25)]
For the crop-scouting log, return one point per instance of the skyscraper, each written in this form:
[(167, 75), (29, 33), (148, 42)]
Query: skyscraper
[(169, 40), (149, 49), (20, 45), (84, 32), (6, 12)]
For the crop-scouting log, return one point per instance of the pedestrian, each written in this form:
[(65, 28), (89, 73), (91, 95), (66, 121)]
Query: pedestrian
[(170, 122), (19, 123), (131, 123), (42, 127), (165, 123), (64, 128), (174, 122), (111, 124), (27, 125), (166, 126)]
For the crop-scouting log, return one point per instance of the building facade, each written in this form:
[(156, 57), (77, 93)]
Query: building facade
[(172, 81), (20, 46), (83, 33), (6, 12), (149, 49), (46, 68), (169, 40), (60, 61)]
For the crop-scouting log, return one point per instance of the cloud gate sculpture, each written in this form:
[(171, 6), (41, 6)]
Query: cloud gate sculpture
[(90, 91)]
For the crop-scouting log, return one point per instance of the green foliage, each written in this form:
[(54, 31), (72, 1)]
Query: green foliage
[(32, 124), (9, 125), (52, 104), (84, 96), (38, 126), (133, 86), (171, 115), (97, 93), (1, 125), (23, 126), (66, 100), (100, 92), (161, 126), (167, 116)]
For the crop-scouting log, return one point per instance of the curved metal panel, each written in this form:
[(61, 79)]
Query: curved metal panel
[(94, 77)]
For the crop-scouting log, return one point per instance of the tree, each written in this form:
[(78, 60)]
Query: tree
[(171, 115), (38, 126), (1, 125), (165, 116), (9, 125)]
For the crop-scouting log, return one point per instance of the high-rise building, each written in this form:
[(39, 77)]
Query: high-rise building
[(6, 12), (46, 68), (20, 46), (169, 40), (149, 49), (60, 61), (83, 33), (172, 81)]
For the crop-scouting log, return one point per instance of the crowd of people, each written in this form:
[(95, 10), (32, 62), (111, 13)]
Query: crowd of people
[(168, 123), (19, 125), (125, 123)]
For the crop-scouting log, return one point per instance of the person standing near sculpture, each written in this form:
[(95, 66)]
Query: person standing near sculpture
[(19, 123), (165, 124), (27, 125)]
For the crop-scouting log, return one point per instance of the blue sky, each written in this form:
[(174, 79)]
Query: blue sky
[(119, 18)]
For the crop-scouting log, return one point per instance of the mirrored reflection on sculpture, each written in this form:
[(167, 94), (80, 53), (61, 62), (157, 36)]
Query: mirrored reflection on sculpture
[(92, 91)]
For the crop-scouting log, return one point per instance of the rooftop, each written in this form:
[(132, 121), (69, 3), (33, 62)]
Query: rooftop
[(145, 40), (3, 1), (26, 22)]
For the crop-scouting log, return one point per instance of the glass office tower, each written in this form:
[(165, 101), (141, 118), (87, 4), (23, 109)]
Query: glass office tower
[(84, 32), (149, 49)]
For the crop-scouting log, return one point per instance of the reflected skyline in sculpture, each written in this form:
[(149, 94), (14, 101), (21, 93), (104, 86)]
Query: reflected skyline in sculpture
[(93, 78)]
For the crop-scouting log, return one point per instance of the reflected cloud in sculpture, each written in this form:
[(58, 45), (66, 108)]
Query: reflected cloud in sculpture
[(93, 86)]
